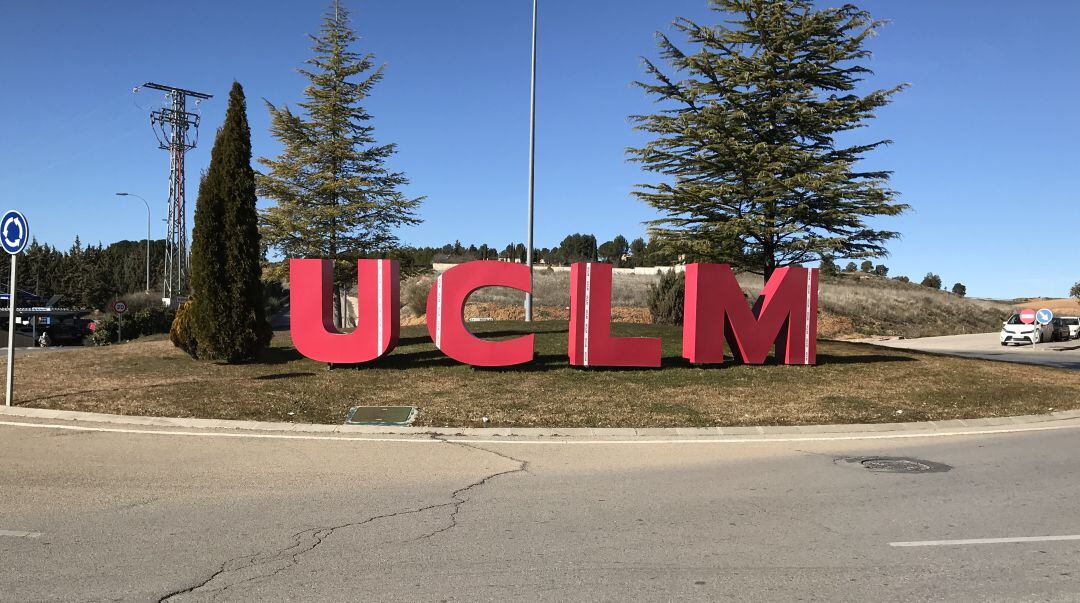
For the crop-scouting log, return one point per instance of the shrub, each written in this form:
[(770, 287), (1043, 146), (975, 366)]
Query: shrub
[(867, 266), (959, 289), (881, 270), (931, 280), (1075, 291), (828, 266), (851, 267), (147, 320), (902, 279), (666, 298), (181, 333), (275, 297), (414, 294)]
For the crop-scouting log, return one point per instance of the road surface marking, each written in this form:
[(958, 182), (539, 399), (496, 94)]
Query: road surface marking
[(18, 534), (986, 540), (422, 438)]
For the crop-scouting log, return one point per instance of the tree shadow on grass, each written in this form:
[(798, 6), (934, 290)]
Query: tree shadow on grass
[(279, 376), (827, 359)]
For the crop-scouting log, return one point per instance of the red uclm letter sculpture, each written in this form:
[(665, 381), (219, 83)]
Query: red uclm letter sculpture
[(591, 343), (311, 307), (446, 307), (715, 310)]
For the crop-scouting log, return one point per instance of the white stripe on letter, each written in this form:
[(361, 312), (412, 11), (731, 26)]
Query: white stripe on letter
[(588, 295), (438, 312)]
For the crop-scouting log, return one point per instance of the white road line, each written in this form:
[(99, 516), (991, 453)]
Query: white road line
[(986, 540), (18, 534), (549, 440)]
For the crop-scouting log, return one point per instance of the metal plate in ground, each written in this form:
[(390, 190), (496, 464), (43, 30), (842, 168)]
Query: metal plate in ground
[(381, 415), (896, 464)]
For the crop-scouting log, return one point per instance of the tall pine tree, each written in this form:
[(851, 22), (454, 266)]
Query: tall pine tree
[(227, 312), (748, 133), (335, 197)]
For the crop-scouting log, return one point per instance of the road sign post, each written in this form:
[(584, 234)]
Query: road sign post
[(14, 234), (119, 306), (1044, 316)]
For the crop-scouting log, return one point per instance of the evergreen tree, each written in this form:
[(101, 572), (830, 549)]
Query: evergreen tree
[(227, 313), (637, 252), (850, 267), (959, 289), (335, 197), (748, 133), (1075, 291), (881, 270), (931, 280), (866, 266), (828, 266)]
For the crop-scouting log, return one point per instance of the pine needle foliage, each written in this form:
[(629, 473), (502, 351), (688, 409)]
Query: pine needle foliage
[(748, 131), (335, 197), (227, 317)]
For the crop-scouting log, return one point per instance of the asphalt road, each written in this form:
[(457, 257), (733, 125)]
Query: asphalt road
[(129, 516), (1065, 354)]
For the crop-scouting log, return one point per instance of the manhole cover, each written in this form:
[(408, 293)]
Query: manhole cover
[(893, 464), (380, 415)]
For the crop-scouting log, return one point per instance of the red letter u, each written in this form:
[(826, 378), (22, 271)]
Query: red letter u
[(312, 314)]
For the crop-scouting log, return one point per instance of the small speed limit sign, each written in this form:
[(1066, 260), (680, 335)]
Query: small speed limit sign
[(119, 307)]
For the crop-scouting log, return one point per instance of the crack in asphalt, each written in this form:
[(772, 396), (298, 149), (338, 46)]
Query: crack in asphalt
[(306, 541), (455, 496)]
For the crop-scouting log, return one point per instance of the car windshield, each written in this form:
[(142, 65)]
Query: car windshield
[(1071, 321), (1014, 320)]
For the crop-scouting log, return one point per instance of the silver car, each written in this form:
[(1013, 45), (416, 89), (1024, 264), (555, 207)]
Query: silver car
[(1073, 322)]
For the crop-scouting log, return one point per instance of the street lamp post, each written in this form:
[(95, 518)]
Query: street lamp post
[(147, 234), (532, 167)]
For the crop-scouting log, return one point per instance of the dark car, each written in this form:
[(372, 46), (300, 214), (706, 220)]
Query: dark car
[(59, 329), (1061, 330)]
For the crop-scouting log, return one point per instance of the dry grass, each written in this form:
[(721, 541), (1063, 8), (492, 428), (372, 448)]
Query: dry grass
[(853, 383)]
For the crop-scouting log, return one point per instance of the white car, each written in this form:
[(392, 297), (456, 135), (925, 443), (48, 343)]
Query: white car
[(1015, 331), (1073, 323)]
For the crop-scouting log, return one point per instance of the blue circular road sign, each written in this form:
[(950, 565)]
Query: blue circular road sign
[(14, 232), (1044, 316)]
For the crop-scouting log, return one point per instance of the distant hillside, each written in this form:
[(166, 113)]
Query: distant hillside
[(851, 306), (866, 305)]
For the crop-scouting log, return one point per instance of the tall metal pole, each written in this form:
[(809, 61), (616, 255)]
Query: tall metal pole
[(532, 167), (173, 124), (147, 234), (12, 302)]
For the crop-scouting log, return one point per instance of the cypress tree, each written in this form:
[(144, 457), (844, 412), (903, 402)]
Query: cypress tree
[(227, 312), (747, 131)]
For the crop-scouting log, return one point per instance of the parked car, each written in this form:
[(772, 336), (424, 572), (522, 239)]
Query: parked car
[(1061, 330), (1016, 332), (61, 329), (1073, 322)]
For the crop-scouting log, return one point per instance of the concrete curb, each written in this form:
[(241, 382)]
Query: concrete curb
[(543, 432)]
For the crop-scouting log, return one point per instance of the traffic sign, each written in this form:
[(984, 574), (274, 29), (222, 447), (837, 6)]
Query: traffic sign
[(1027, 316), (1044, 316), (119, 306), (14, 232)]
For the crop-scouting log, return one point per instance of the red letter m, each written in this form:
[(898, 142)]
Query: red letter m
[(716, 310)]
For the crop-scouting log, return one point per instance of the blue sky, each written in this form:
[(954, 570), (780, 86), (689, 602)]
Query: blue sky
[(985, 138)]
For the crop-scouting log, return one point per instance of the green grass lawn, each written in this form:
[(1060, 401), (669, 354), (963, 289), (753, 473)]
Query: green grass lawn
[(852, 383)]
